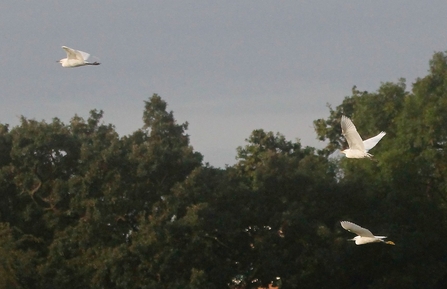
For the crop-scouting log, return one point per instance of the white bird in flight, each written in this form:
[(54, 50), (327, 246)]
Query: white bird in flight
[(358, 148), (75, 58), (364, 235)]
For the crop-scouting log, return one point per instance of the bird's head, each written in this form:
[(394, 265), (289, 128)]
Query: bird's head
[(354, 154), (63, 60), (347, 152)]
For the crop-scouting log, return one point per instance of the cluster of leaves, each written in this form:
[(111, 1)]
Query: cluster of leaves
[(82, 207)]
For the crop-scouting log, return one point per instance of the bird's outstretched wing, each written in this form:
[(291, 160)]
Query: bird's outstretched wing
[(76, 54), (356, 229), (352, 136), (371, 142), (83, 54), (71, 54)]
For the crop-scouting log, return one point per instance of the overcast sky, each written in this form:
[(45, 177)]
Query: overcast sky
[(225, 67)]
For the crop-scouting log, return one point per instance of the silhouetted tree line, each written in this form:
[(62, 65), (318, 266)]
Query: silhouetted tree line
[(82, 207)]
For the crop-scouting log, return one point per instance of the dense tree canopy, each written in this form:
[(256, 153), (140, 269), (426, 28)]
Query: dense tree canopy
[(82, 207)]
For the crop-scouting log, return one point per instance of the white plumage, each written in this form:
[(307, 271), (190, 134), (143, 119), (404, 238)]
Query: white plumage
[(358, 148), (364, 235), (75, 58)]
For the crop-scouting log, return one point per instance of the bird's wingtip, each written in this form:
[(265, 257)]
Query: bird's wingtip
[(345, 224)]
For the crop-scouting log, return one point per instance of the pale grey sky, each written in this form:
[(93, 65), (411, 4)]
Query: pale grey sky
[(225, 67)]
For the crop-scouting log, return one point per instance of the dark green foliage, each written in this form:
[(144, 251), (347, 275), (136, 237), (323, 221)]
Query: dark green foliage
[(82, 207)]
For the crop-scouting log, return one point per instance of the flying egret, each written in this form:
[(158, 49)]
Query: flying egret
[(358, 148), (364, 235), (75, 58)]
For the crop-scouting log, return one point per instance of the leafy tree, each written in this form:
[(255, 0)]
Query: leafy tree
[(278, 180)]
